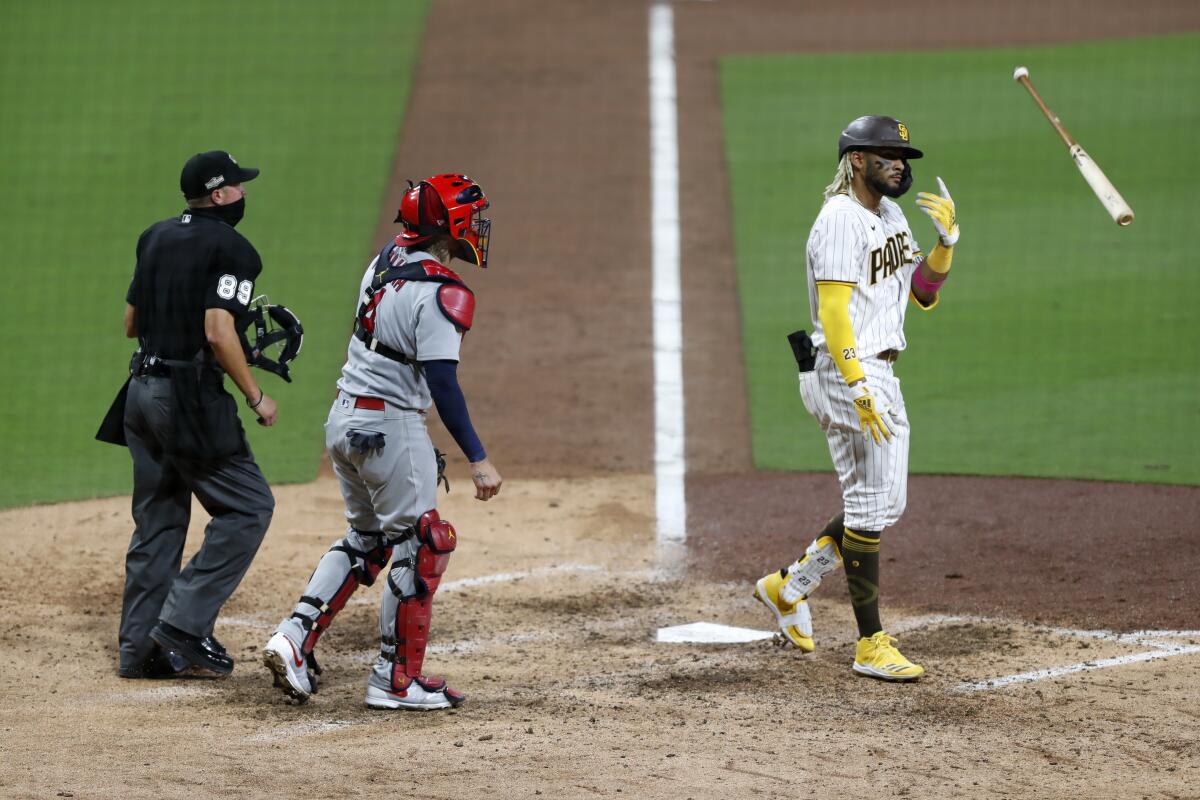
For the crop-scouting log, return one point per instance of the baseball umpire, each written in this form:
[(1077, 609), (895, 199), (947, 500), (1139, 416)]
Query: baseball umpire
[(193, 280), (863, 266), (412, 314)]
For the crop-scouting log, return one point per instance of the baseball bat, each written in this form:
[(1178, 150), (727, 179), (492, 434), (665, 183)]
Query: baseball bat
[(1116, 206)]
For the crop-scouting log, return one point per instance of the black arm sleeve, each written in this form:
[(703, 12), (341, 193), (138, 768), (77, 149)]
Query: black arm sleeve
[(442, 377)]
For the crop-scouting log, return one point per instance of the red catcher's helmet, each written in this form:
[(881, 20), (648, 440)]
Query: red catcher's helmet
[(451, 205)]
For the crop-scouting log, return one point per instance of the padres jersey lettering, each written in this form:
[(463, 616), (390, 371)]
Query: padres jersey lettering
[(887, 259), (877, 254)]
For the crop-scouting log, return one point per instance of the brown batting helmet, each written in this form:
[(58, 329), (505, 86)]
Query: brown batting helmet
[(876, 131)]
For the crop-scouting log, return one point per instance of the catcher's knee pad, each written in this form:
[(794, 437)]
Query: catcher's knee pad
[(404, 645), (804, 576), (346, 566)]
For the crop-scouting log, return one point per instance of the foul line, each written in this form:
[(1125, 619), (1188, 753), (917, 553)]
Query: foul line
[(1166, 651), (666, 298), (1154, 639)]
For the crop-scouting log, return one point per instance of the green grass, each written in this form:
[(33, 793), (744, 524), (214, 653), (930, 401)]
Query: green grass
[(1064, 346), (102, 103)]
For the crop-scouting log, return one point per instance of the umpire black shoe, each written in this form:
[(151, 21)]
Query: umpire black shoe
[(204, 654), (159, 665)]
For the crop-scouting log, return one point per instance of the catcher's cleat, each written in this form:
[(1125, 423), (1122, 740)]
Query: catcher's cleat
[(876, 657), (793, 618), (421, 694), (289, 668)]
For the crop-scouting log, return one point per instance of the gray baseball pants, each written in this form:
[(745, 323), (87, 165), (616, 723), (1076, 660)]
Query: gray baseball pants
[(232, 490), (386, 492)]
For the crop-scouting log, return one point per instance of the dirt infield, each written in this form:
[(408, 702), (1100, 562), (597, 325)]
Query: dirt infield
[(547, 621), (551, 607)]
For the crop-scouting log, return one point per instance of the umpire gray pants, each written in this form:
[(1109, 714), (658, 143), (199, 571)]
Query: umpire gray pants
[(232, 490)]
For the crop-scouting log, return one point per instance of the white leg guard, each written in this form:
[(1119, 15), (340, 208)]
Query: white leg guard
[(804, 576)]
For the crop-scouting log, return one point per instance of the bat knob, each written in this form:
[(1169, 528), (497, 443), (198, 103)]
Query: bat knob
[(1020, 72)]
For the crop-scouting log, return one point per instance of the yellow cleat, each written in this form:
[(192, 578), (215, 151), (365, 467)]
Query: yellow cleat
[(793, 618), (878, 658)]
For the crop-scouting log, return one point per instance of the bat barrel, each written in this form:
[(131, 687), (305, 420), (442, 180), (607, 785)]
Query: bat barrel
[(1103, 188)]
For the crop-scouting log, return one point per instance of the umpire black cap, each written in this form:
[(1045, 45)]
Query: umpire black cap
[(876, 131), (205, 172)]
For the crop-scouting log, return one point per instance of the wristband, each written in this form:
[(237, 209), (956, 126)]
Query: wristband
[(927, 286), (261, 395)]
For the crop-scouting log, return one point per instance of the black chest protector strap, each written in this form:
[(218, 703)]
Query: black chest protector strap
[(364, 323)]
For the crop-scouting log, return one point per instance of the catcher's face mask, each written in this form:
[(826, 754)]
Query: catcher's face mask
[(278, 336), (448, 204)]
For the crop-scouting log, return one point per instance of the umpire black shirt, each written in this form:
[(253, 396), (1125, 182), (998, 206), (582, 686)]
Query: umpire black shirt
[(185, 265)]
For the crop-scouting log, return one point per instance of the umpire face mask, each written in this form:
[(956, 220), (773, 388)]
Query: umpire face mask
[(232, 213)]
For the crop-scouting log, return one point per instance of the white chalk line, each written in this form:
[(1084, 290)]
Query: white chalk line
[(166, 692), (666, 296), (1157, 640), (507, 577), (298, 729), (1068, 669), (264, 621), (497, 577)]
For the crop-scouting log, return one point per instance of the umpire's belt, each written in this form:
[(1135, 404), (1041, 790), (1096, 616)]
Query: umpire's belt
[(145, 365), (149, 365)]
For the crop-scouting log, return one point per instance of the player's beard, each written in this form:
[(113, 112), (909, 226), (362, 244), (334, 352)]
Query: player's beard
[(883, 185)]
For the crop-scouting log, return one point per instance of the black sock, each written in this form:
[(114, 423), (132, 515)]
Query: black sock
[(835, 529), (860, 556)]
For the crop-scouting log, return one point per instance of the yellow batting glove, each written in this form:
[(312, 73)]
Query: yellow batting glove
[(940, 209), (871, 415)]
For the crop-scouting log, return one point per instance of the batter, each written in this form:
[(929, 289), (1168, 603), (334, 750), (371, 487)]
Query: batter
[(864, 265), (403, 357)]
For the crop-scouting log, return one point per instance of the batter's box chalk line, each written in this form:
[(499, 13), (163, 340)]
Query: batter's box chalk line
[(498, 577), (1162, 644), (297, 729)]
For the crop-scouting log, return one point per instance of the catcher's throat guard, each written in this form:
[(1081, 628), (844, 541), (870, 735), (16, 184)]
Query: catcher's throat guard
[(278, 336)]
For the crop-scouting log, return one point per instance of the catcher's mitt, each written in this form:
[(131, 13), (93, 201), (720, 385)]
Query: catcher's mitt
[(441, 465)]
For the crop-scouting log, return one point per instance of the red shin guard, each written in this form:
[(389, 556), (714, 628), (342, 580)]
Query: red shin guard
[(438, 541)]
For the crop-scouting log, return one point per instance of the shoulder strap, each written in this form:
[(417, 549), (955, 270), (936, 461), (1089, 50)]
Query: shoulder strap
[(428, 270)]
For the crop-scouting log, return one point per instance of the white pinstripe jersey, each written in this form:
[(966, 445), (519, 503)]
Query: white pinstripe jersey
[(874, 253)]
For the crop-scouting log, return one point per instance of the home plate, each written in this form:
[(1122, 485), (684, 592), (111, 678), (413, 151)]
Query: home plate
[(710, 633)]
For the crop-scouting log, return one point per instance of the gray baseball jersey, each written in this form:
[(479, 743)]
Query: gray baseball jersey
[(407, 318)]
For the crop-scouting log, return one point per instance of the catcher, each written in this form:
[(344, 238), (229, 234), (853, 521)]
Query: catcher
[(412, 314)]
